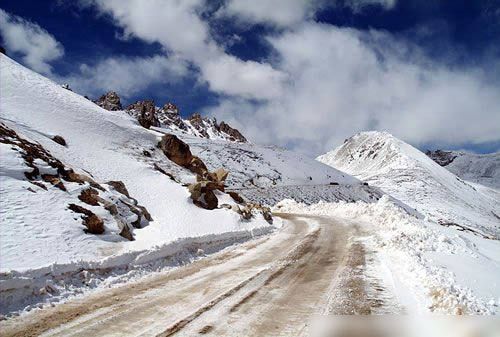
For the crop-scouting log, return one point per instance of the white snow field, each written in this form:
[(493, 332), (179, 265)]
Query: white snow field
[(409, 175), (40, 236), (429, 268)]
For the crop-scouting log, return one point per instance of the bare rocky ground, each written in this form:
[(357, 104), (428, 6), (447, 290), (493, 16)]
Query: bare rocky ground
[(269, 286)]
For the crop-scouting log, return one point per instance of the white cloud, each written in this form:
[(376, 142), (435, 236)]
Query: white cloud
[(126, 76), (340, 85), (287, 13), (359, 5), (177, 26), (277, 12), (37, 47), (248, 79), (325, 83)]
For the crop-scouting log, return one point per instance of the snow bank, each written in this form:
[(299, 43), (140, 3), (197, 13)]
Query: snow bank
[(414, 250), (38, 287)]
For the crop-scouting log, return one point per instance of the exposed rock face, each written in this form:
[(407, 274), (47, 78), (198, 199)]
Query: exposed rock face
[(119, 186), (2, 50), (236, 197), (66, 86), (112, 197), (110, 101), (148, 115), (176, 150), (199, 124), (145, 112), (94, 224), (234, 134), (169, 116), (441, 157), (203, 191)]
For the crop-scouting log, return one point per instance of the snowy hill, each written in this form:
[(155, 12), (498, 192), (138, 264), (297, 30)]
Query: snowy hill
[(410, 176), (105, 146), (268, 174), (263, 174), (479, 168), (98, 194)]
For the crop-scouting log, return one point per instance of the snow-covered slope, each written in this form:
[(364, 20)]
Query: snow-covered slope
[(43, 239), (269, 174), (108, 146), (479, 168), (410, 176)]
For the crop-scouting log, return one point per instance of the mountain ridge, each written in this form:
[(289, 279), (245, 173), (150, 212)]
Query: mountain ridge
[(168, 116), (408, 174)]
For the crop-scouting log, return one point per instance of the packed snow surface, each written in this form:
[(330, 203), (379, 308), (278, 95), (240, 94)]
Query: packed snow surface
[(431, 268), (409, 175)]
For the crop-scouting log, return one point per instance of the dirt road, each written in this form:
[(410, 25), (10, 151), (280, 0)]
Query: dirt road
[(269, 286)]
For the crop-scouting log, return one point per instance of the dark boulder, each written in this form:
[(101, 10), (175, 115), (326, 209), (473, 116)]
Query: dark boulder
[(59, 140), (176, 150)]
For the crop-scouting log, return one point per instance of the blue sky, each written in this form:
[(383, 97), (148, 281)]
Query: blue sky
[(297, 73)]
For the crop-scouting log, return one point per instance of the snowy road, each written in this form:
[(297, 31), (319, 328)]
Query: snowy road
[(268, 286)]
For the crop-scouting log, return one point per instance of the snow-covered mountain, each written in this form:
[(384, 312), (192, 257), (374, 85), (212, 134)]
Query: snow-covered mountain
[(409, 175), (83, 187), (479, 168), (103, 146)]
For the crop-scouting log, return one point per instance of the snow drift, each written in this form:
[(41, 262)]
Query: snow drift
[(431, 268)]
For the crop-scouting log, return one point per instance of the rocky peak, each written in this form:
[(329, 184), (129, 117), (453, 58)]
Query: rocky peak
[(441, 157), (170, 108), (234, 134), (169, 116), (110, 101), (196, 118), (145, 112), (148, 114), (146, 106)]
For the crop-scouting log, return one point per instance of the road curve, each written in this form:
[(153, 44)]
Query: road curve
[(268, 286)]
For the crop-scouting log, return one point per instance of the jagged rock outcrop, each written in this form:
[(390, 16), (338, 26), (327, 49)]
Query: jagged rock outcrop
[(199, 124), (203, 191), (112, 196), (94, 224), (110, 101), (234, 134), (66, 86), (441, 157), (145, 112), (169, 116), (3, 51)]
